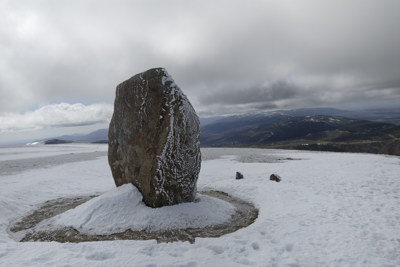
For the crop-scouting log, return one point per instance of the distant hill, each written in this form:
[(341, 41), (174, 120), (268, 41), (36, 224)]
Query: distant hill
[(56, 141), (288, 130), (382, 115), (325, 129), (98, 136)]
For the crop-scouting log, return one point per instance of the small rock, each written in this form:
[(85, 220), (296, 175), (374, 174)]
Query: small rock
[(239, 176), (275, 177)]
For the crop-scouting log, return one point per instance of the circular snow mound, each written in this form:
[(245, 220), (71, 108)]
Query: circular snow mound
[(121, 215), (122, 209)]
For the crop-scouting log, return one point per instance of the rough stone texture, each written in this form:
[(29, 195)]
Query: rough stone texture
[(154, 139)]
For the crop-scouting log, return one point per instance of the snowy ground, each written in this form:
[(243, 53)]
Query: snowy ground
[(331, 209)]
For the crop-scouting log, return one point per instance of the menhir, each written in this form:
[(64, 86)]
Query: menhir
[(154, 139)]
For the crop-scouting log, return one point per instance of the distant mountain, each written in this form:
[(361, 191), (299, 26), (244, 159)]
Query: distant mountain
[(325, 129), (95, 137), (312, 132), (208, 120), (382, 115), (313, 111), (56, 141), (99, 136)]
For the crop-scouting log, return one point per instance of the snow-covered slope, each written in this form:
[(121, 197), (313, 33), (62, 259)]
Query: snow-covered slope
[(331, 209)]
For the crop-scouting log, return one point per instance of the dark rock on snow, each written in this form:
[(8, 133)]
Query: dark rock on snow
[(154, 139), (275, 177), (239, 176)]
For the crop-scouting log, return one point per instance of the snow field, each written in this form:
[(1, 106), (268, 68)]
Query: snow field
[(331, 209), (40, 151)]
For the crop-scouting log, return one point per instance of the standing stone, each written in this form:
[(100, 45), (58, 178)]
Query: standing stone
[(154, 139)]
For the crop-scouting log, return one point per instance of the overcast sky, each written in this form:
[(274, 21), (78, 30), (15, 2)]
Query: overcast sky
[(61, 60)]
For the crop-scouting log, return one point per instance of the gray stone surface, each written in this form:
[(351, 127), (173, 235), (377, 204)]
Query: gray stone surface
[(154, 139)]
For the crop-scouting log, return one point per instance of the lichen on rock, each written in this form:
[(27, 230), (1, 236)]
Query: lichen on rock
[(154, 139)]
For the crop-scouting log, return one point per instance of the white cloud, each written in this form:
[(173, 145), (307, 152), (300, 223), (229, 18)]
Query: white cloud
[(56, 115)]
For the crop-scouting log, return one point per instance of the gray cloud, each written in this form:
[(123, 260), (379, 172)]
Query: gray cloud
[(264, 93), (225, 55)]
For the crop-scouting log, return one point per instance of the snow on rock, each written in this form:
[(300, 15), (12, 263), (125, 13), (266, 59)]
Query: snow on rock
[(122, 209), (154, 139)]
